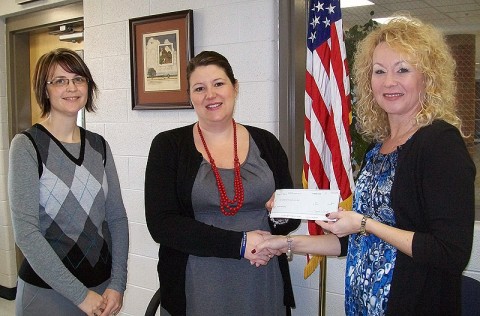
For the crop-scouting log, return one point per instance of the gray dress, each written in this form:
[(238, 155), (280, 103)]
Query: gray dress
[(223, 286)]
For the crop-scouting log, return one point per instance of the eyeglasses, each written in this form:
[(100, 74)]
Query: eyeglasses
[(63, 82)]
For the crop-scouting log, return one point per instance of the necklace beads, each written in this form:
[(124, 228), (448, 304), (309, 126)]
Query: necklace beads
[(228, 207)]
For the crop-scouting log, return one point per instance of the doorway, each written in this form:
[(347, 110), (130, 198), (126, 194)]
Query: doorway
[(28, 37)]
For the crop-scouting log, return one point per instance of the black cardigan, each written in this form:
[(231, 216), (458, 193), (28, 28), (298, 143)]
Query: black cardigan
[(432, 195), (172, 166)]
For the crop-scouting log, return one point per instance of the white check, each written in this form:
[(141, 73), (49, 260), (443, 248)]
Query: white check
[(309, 204)]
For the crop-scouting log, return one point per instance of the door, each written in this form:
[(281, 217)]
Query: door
[(28, 37)]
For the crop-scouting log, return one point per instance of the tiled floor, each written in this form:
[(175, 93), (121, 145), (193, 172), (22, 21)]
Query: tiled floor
[(7, 308)]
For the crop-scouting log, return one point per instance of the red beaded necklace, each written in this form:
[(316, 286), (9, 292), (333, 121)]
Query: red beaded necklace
[(227, 206)]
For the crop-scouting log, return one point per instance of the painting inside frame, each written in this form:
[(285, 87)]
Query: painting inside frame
[(160, 48)]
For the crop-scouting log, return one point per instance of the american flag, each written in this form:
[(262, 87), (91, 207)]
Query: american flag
[(327, 163)]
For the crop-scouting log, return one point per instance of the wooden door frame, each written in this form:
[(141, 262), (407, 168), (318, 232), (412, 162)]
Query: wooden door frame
[(18, 29), (291, 90)]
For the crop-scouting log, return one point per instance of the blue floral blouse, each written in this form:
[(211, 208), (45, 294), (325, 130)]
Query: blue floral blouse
[(370, 260)]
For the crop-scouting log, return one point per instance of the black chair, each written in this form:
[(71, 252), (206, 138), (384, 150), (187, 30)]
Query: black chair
[(470, 296), (154, 304)]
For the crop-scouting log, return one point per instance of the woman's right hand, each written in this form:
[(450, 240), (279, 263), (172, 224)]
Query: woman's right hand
[(93, 304), (253, 239), (274, 244)]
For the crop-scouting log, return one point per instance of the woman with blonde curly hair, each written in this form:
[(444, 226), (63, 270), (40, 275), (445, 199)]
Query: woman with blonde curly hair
[(428, 52), (410, 235)]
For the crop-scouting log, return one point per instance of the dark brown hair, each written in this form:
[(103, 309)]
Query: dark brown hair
[(70, 62), (206, 58)]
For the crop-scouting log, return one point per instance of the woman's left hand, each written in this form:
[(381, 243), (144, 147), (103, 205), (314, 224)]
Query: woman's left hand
[(114, 301), (269, 203), (346, 222)]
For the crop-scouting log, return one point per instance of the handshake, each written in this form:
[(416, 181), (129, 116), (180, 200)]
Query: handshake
[(261, 246)]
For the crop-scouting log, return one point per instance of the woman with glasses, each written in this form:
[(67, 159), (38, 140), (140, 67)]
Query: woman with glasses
[(67, 210)]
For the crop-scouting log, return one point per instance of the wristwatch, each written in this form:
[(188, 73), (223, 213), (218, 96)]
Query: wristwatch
[(363, 231), (289, 249)]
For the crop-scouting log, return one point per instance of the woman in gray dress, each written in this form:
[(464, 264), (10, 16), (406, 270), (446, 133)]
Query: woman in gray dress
[(206, 186)]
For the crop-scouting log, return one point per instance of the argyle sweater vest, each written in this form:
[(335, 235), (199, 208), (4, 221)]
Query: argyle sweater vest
[(72, 206)]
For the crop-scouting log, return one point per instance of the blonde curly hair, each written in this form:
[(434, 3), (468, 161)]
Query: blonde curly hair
[(425, 48)]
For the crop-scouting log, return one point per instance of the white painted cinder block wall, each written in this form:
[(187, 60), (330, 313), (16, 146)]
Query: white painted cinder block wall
[(252, 49)]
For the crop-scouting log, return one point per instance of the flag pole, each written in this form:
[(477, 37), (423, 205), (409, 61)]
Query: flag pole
[(327, 163), (322, 286)]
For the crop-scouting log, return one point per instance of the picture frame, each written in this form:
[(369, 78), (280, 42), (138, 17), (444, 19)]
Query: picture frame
[(160, 47)]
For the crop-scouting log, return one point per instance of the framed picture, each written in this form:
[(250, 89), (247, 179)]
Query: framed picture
[(160, 48)]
